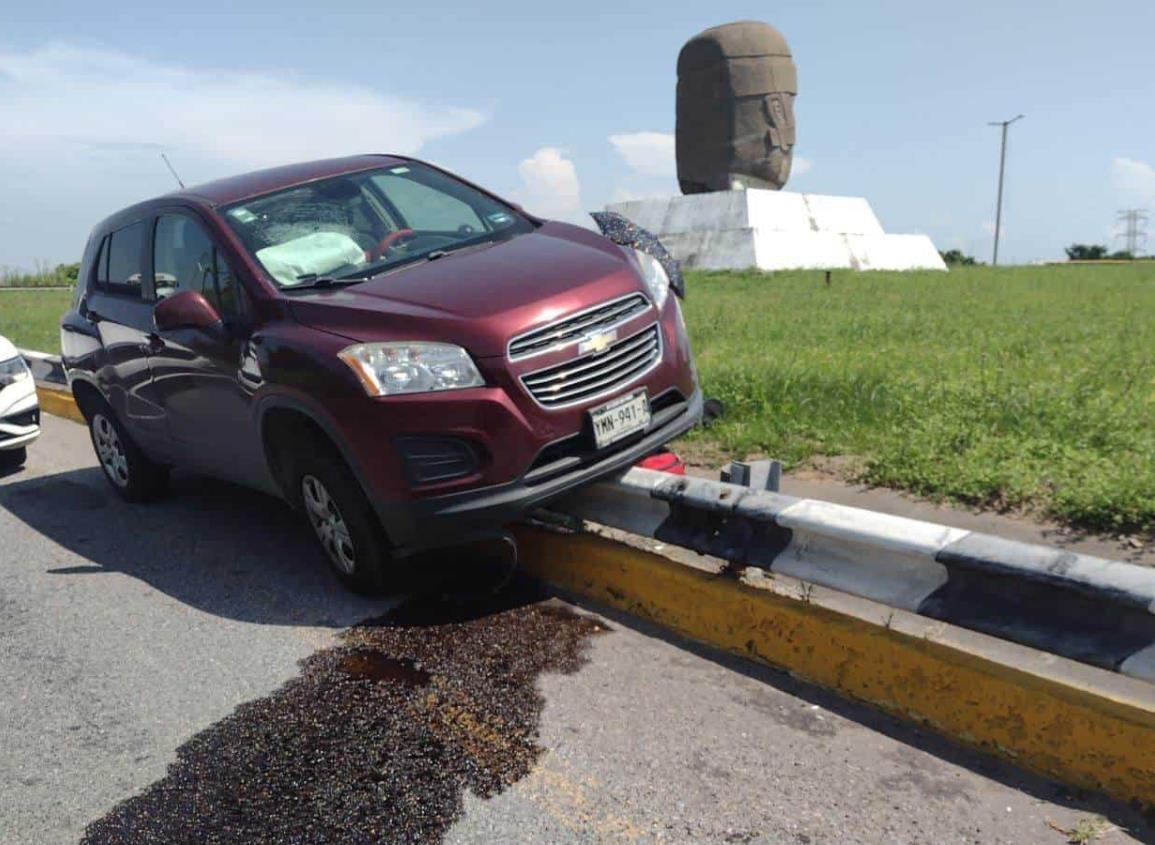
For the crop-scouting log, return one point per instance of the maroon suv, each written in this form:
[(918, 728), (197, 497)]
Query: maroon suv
[(404, 357)]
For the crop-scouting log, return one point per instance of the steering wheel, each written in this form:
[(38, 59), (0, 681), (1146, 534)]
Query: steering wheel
[(387, 243)]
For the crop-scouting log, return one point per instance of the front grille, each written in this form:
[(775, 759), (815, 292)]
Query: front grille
[(596, 374), (577, 326)]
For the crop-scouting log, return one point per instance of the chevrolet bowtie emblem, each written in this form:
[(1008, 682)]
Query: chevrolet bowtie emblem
[(597, 343)]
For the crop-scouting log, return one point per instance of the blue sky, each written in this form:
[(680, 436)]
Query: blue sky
[(568, 107)]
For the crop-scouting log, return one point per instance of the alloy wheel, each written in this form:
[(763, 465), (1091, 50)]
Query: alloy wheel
[(110, 450), (329, 524)]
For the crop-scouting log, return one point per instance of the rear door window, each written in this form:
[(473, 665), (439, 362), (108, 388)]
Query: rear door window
[(122, 265), (100, 273)]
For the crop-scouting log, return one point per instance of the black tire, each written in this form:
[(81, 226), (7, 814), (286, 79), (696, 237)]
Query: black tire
[(129, 472), (11, 459), (360, 556)]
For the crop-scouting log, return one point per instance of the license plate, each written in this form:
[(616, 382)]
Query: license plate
[(620, 418)]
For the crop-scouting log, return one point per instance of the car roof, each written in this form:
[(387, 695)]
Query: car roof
[(235, 188)]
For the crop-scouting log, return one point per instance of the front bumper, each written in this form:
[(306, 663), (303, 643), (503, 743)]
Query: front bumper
[(19, 417), (447, 520), (18, 441)]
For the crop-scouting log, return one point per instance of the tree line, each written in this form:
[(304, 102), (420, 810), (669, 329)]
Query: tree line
[(1098, 252), (62, 275)]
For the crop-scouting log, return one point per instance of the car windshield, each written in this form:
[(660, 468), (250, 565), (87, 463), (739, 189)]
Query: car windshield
[(358, 225)]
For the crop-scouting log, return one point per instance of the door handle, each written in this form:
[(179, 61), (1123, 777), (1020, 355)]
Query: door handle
[(155, 343)]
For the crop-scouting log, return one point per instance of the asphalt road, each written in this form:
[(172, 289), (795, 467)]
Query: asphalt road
[(128, 635)]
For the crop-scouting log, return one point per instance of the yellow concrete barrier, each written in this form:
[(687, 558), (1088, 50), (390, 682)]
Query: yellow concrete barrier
[(1081, 725), (58, 402)]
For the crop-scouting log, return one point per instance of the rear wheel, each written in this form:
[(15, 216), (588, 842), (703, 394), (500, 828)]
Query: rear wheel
[(342, 520), (132, 475), (12, 458)]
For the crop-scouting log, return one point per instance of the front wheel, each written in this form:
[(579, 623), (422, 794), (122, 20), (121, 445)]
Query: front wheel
[(132, 475), (343, 521)]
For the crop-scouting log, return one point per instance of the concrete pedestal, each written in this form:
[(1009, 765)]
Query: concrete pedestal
[(776, 230)]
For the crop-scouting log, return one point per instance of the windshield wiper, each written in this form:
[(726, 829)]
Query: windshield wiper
[(433, 255), (312, 281)]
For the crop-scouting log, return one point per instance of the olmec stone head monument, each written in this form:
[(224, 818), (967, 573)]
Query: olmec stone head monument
[(735, 145), (735, 109)]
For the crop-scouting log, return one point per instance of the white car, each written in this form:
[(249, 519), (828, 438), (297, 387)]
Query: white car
[(19, 409)]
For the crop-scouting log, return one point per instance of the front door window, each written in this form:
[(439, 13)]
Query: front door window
[(185, 258)]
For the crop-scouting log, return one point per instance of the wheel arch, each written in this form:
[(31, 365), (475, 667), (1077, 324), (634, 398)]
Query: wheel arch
[(286, 423), (88, 397)]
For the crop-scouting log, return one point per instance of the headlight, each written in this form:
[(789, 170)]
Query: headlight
[(386, 369), (13, 370), (654, 275)]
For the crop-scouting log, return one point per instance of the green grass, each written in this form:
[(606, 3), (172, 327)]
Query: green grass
[(1021, 388), (31, 319), (1014, 388)]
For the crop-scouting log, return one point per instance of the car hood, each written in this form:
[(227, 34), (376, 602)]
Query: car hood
[(478, 299), (7, 349)]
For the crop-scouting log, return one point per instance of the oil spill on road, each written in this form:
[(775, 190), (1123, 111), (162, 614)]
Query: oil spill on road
[(376, 740), (369, 665)]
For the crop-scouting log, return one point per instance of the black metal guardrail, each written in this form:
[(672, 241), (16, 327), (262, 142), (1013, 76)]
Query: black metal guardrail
[(1089, 609)]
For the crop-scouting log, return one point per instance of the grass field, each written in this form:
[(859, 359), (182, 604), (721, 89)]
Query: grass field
[(31, 319), (1029, 387), (1021, 388)]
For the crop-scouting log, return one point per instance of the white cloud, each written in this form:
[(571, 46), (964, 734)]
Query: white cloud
[(551, 186), (647, 153), (84, 127), (800, 165), (1133, 180), (101, 99)]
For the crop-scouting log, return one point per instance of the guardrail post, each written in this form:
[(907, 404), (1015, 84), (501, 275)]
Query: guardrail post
[(760, 475)]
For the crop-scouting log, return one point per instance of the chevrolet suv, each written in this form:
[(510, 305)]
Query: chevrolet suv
[(404, 357)]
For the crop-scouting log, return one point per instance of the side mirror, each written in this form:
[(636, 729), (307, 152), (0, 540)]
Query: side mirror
[(185, 310)]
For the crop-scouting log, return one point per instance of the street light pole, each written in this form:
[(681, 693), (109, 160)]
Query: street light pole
[(1002, 168)]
